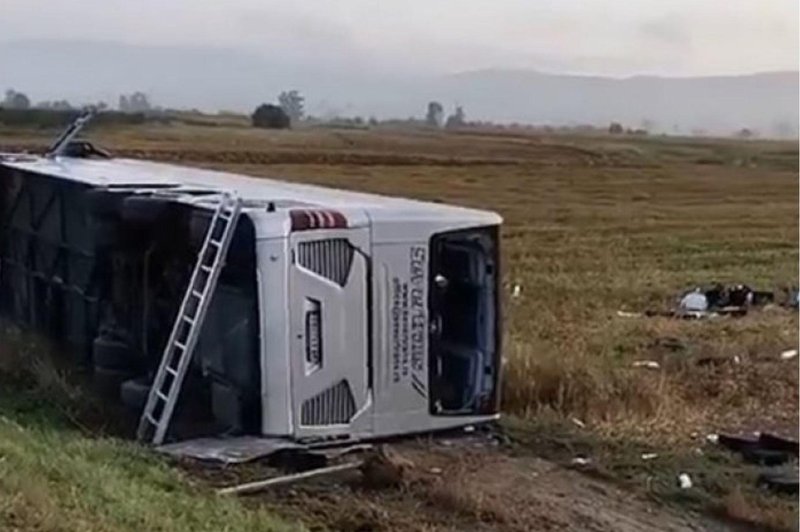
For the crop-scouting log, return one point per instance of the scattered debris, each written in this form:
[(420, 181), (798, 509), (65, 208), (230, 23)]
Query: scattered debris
[(435, 470), (767, 450), (581, 461), (649, 456), (713, 439), (713, 361), (779, 443), (578, 423), (780, 481), (684, 481), (694, 301), (516, 291), (789, 354), (761, 441), (261, 485), (715, 301), (649, 364)]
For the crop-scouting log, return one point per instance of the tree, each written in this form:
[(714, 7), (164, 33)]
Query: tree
[(138, 102), (55, 105), (270, 116), (16, 100), (435, 114), (292, 103), (457, 119), (615, 128)]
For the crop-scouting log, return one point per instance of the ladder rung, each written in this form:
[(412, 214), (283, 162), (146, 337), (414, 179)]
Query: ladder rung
[(177, 355)]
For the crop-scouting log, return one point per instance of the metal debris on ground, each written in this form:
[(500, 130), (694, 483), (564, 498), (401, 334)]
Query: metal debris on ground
[(261, 485), (785, 482), (763, 441), (770, 451), (716, 300)]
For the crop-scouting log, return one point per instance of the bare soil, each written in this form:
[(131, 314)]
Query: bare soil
[(465, 484)]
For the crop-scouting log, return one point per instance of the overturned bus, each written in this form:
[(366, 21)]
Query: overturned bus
[(326, 316)]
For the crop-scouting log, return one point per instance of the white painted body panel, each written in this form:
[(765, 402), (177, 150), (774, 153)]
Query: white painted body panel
[(393, 235)]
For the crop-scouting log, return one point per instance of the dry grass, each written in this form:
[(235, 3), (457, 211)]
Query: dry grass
[(759, 512), (592, 225)]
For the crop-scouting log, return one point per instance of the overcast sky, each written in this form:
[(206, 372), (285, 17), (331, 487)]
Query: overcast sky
[(671, 37)]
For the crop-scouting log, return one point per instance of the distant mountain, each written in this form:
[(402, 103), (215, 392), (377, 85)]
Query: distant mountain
[(764, 101), (212, 78)]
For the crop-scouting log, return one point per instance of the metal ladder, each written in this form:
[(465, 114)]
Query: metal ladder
[(63, 140), (189, 322)]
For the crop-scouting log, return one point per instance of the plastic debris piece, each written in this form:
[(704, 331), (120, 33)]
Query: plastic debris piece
[(713, 439), (626, 314), (516, 291), (789, 354), (581, 461), (578, 423), (694, 301), (649, 364), (649, 456), (684, 481)]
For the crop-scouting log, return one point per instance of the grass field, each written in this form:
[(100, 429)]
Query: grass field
[(593, 225)]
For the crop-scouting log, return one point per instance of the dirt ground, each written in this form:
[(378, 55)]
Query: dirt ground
[(460, 483)]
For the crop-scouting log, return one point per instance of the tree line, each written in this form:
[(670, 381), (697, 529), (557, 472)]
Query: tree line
[(288, 110)]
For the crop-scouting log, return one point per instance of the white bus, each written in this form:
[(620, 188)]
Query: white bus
[(338, 317)]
